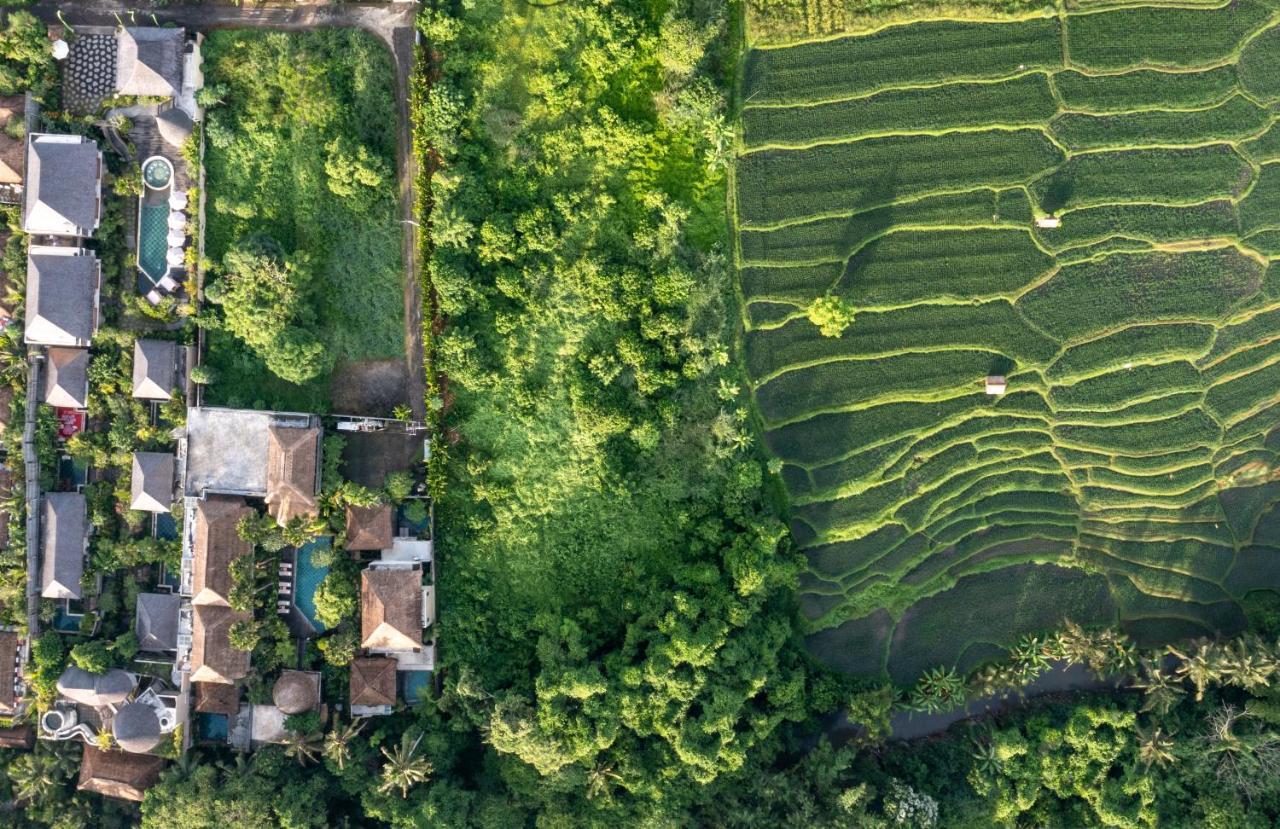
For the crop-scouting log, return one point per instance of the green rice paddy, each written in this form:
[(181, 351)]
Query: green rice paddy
[(1130, 474)]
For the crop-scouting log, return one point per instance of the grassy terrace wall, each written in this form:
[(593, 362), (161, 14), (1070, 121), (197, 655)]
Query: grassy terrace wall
[(1130, 474)]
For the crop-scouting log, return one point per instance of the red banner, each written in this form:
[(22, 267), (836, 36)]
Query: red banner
[(70, 421)]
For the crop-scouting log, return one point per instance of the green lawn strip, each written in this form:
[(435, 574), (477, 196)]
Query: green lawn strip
[(993, 326), (1135, 604), (918, 53), (864, 465), (1143, 89), (1028, 509), (1029, 543), (1025, 101), (1246, 464), (1260, 422), (1135, 345), (780, 185), (1172, 38), (842, 558), (288, 98), (1186, 557), (969, 430), (1030, 473), (1234, 119)]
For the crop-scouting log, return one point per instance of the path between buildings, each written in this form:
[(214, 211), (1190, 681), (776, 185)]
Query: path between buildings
[(392, 23)]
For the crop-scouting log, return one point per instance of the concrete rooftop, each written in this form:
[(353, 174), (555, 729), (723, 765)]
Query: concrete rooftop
[(226, 451)]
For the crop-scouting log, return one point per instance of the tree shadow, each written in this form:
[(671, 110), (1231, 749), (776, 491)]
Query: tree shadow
[(873, 225)]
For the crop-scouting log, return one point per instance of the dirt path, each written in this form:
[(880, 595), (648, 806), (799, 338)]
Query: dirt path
[(392, 23)]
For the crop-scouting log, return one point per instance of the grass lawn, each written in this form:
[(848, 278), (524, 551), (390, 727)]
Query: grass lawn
[(287, 101)]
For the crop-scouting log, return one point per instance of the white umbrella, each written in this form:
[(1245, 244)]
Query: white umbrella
[(177, 200), (174, 256), (177, 220), (176, 238)]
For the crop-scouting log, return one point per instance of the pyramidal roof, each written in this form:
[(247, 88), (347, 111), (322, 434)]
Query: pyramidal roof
[(151, 484), (62, 296), (391, 608), (66, 378), (63, 538), (149, 61), (63, 196), (153, 369)]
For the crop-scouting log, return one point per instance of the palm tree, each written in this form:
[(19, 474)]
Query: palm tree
[(1247, 663), (404, 769), (302, 747), (36, 776), (337, 743), (1161, 690), (1200, 667), (1032, 656), (600, 780), (986, 757), (1155, 747)]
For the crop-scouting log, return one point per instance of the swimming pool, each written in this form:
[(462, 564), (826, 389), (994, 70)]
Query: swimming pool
[(153, 228), (307, 578), (417, 686), (211, 727)]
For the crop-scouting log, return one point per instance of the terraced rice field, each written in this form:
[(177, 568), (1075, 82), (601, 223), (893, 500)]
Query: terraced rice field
[(1131, 473)]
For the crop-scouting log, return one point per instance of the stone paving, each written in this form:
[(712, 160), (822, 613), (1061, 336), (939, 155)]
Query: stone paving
[(90, 73)]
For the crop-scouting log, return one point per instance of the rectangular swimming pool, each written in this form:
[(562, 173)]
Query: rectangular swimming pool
[(307, 577), (153, 246)]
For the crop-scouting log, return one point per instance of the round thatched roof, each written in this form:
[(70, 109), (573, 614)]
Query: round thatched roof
[(136, 728), (97, 690), (295, 692), (174, 126)]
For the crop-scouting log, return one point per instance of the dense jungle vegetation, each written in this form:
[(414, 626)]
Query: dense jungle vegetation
[(619, 638), (303, 231)]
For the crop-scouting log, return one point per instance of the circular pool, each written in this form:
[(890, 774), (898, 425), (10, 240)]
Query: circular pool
[(157, 172)]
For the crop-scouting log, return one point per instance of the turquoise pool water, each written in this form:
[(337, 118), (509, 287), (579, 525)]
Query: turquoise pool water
[(307, 578), (153, 245), (212, 727), (417, 685)]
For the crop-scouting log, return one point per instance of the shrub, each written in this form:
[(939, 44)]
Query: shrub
[(92, 656)]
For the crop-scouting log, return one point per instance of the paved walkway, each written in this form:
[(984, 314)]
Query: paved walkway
[(392, 23)]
